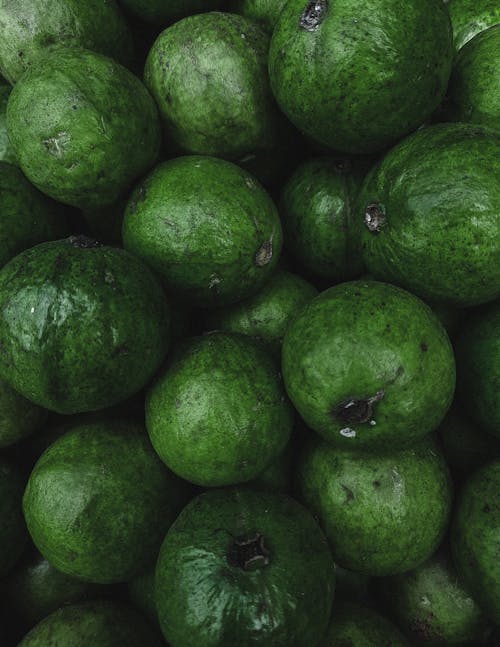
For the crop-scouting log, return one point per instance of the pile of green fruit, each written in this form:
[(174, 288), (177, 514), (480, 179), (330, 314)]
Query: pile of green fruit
[(249, 323)]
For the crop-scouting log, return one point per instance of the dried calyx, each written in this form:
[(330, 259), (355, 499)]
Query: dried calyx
[(375, 217), (313, 14), (248, 552), (84, 242), (358, 411)]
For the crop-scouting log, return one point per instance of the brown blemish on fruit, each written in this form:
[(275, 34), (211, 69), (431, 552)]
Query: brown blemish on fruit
[(424, 347), (313, 15)]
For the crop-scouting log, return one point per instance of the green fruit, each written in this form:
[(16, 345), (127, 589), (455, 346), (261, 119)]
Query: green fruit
[(6, 151), (70, 333), (96, 624), (432, 606), (429, 215), (207, 227), (159, 12), (367, 364), (265, 12), (99, 501), (474, 91), (383, 513), (357, 76), (476, 538), (27, 217), (267, 315), (478, 367), (214, 97), (316, 210), (18, 417), (141, 591), (31, 28), (218, 415), (12, 528), (356, 626), (240, 567), (83, 127), (470, 17)]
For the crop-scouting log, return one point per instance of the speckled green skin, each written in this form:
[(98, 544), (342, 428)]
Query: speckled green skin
[(474, 91), (218, 415), (205, 600), (70, 334), (353, 625), (30, 28), (267, 315), (382, 513), (440, 193), (205, 226), (478, 367), (476, 538), (265, 12), (432, 606), (366, 74), (6, 151), (99, 623), (364, 338), (470, 17), (12, 528), (99, 502), (208, 75), (83, 127), (26, 216), (142, 593), (18, 417), (161, 12), (316, 212)]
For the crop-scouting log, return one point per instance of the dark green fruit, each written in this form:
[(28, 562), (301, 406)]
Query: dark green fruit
[(316, 211), (429, 215), (159, 12), (27, 217), (141, 591), (470, 17), (240, 567), (6, 151), (100, 624), (357, 76), (264, 12), (367, 364), (267, 315), (99, 502), (432, 606), (353, 625), (383, 513), (474, 91), (218, 414), (207, 227), (18, 417), (478, 367), (70, 333), (31, 28), (12, 528), (83, 127)]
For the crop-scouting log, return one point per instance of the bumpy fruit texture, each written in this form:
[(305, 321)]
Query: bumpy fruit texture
[(471, 17), (358, 626)]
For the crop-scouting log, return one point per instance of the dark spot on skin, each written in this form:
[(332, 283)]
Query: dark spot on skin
[(74, 107), (375, 218), (349, 493), (343, 166), (486, 508), (376, 484), (177, 403), (424, 347), (122, 349), (313, 15), (20, 54), (262, 607)]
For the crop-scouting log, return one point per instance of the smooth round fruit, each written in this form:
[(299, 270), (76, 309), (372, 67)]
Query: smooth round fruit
[(159, 12), (83, 127), (357, 76), (12, 527), (218, 414), (99, 502), (31, 28), (264, 12), (6, 151), (358, 626), (70, 333), (382, 513), (18, 417), (476, 538), (367, 364), (207, 227), (240, 567), (429, 215), (470, 17)]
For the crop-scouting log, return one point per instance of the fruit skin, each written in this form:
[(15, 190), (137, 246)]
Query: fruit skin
[(6, 151), (100, 623), (18, 417), (31, 28), (12, 528), (474, 90), (382, 513), (99, 501), (470, 17), (159, 11), (358, 626), (376, 345), (214, 97), (316, 211), (432, 606), (204, 599), (478, 367), (83, 127), (264, 12), (266, 315), (357, 76), (475, 538), (218, 415), (429, 215), (207, 227), (70, 336)]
